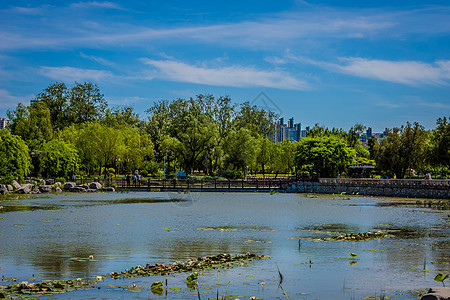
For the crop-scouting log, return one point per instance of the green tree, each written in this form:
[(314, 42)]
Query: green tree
[(262, 119), (159, 120), (55, 97), (171, 149), (58, 159), (284, 157), (265, 153), (354, 134), (402, 149), (31, 122), (85, 139), (137, 149), (86, 103), (15, 160), (198, 136), (240, 148), (372, 145), (19, 121), (123, 116), (439, 154), (325, 156)]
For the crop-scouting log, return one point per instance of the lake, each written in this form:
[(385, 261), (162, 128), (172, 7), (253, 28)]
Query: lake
[(51, 237)]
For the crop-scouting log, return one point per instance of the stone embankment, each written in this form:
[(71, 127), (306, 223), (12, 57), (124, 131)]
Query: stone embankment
[(435, 189), (42, 186)]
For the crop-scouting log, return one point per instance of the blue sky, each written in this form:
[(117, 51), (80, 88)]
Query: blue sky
[(336, 63)]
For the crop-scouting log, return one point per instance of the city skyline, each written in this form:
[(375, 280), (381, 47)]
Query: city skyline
[(320, 62)]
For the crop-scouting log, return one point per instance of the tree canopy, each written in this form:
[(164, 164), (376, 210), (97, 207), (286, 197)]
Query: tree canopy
[(15, 159), (71, 129)]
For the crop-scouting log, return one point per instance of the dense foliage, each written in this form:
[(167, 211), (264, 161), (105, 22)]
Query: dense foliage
[(324, 156), (71, 130), (15, 159)]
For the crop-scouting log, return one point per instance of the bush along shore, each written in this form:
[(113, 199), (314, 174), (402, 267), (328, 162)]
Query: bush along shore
[(49, 287), (42, 186)]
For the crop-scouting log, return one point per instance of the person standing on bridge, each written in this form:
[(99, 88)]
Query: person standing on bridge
[(128, 179)]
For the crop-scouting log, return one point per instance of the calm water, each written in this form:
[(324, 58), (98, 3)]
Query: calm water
[(50, 237)]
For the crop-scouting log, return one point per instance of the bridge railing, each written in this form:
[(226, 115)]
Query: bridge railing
[(253, 183), (388, 182)]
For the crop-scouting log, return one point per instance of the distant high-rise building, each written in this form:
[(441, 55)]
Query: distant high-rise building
[(291, 123), (289, 131), (369, 132), (3, 123)]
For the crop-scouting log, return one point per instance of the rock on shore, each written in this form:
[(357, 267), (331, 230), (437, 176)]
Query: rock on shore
[(95, 185), (32, 188), (437, 293), (25, 189), (3, 189), (45, 188), (68, 185)]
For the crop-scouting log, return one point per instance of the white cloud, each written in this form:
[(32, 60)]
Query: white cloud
[(277, 29), (99, 60), (27, 10), (128, 101), (69, 74), (11, 101), (93, 4), (404, 72), (435, 105), (275, 60), (234, 76)]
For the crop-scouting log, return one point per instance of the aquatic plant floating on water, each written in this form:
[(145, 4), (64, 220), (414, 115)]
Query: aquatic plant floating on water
[(220, 261), (441, 278), (157, 288), (192, 276), (355, 237), (49, 287)]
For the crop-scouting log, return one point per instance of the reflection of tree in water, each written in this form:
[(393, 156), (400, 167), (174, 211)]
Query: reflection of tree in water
[(66, 263), (414, 249), (184, 248)]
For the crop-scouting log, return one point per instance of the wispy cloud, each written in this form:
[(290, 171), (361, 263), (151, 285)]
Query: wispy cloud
[(99, 60), (27, 10), (403, 72), (234, 76), (266, 31), (97, 4), (128, 101), (435, 105), (10, 101), (70, 74)]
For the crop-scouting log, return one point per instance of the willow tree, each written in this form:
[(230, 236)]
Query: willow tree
[(324, 156), (15, 160)]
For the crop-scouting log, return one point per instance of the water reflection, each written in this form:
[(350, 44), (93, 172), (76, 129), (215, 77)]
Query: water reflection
[(55, 235)]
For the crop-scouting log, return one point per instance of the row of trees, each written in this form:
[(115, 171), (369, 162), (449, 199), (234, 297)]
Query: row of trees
[(72, 130), (411, 147)]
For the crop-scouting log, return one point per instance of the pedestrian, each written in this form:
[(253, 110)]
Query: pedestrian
[(128, 179), (139, 179)]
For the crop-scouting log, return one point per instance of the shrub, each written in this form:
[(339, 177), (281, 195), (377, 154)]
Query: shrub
[(60, 179), (144, 173), (7, 179)]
